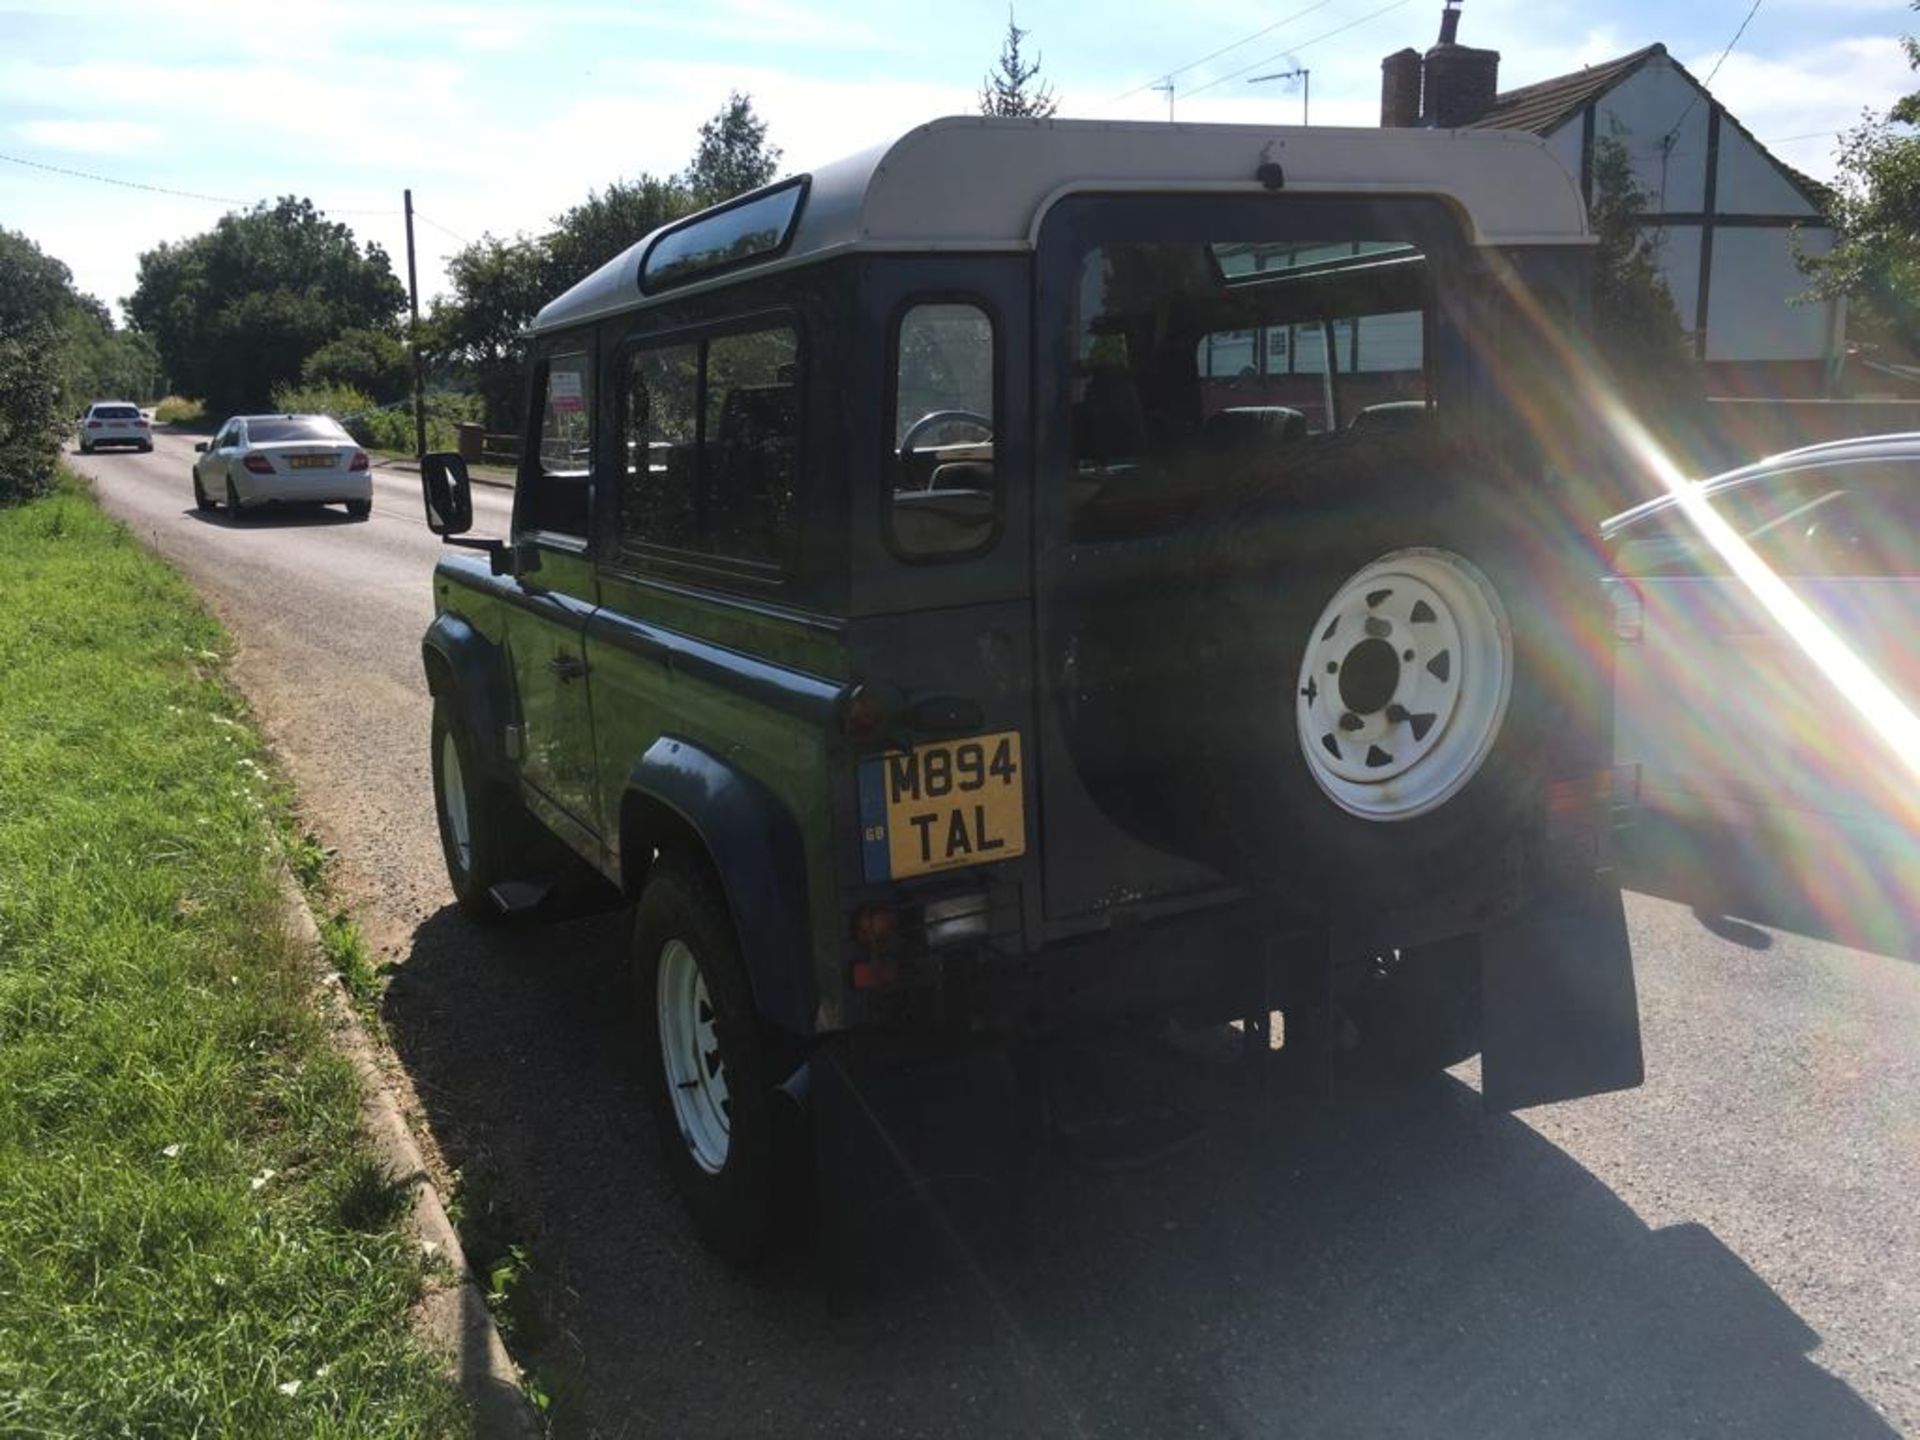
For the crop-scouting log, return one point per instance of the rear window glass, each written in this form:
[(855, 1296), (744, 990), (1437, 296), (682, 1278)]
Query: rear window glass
[(116, 412), (295, 427)]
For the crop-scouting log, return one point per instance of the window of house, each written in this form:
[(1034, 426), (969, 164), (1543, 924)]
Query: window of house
[(559, 481), (945, 488), (712, 431)]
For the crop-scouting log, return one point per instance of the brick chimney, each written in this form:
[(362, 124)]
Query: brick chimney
[(1459, 82), (1400, 89)]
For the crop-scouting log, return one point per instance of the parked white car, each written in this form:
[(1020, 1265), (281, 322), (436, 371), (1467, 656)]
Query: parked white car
[(1740, 717), (113, 422), (258, 460)]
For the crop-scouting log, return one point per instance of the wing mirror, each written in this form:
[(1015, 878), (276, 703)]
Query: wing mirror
[(200, 448), (448, 493)]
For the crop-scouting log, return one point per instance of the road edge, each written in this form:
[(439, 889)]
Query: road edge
[(452, 1317)]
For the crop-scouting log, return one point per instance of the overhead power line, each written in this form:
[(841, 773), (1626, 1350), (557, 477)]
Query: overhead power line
[(1160, 81), (1287, 54), (72, 174), (1707, 84)]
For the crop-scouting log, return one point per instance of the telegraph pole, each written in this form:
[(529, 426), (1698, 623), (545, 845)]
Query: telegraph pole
[(1304, 76), (413, 341), (1167, 85)]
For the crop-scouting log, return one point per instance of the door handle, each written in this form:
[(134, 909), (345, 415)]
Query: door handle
[(567, 666)]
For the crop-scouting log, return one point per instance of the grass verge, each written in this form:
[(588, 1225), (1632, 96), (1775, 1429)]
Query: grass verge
[(193, 1236)]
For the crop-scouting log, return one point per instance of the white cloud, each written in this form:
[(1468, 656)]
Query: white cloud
[(95, 137)]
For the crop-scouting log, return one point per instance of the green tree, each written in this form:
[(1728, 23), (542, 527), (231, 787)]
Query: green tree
[(372, 361), (1875, 213), (236, 311), (1636, 328), (607, 222), (733, 155), (1014, 86), (498, 287)]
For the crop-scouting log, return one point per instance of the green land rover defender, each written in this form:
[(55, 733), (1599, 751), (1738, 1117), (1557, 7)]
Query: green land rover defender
[(1039, 572)]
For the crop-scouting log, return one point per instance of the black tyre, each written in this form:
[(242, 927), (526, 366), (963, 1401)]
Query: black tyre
[(359, 509), (707, 1064), (477, 818), (146, 447), (235, 511), (1418, 1011), (85, 448)]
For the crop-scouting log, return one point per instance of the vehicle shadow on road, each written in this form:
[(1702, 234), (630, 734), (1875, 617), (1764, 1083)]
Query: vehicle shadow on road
[(277, 517), (1377, 1263), (1810, 884)]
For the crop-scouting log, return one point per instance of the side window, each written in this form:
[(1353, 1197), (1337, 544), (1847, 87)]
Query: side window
[(560, 501), (945, 490), (658, 497), (713, 447)]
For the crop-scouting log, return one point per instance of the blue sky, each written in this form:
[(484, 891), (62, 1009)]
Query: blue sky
[(499, 115)]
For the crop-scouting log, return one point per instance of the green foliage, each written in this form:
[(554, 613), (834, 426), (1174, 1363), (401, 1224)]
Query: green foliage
[(346, 951), (1636, 328), (733, 155), (369, 360), (389, 427), (1875, 214), (178, 410), (1013, 86), (58, 351), (499, 285), (191, 1241), (236, 311)]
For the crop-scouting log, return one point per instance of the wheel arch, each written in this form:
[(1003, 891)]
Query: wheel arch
[(682, 798), (467, 671)]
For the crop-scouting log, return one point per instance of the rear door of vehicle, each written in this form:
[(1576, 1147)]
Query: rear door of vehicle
[(941, 581)]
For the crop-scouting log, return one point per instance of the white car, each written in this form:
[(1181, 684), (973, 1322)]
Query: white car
[(113, 422), (1796, 720), (258, 460)]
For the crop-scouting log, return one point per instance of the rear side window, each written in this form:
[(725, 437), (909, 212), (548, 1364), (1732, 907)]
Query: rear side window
[(713, 447), (560, 486), (945, 488), (273, 431)]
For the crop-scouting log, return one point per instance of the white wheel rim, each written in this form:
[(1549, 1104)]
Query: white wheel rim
[(1404, 685), (690, 1050), (454, 797)]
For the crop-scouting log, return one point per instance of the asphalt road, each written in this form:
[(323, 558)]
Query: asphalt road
[(1732, 1249)]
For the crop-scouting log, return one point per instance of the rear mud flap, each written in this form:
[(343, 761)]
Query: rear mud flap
[(1559, 1016)]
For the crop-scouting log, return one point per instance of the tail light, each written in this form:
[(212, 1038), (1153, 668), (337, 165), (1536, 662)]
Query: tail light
[(93, 424), (141, 422), (258, 464), (359, 460)]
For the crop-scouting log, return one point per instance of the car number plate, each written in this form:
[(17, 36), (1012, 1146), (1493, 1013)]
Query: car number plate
[(942, 805), (311, 462)]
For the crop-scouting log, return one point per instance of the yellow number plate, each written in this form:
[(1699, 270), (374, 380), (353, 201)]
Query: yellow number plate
[(310, 462), (940, 806)]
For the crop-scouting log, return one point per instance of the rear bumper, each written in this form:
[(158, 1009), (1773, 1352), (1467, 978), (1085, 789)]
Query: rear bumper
[(302, 490), (93, 440)]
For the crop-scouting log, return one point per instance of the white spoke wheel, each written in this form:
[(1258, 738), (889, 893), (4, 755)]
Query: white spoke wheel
[(453, 798), (1404, 684), (696, 1074)]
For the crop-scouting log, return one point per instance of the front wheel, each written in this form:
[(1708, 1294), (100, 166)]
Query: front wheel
[(706, 1061), (475, 817)]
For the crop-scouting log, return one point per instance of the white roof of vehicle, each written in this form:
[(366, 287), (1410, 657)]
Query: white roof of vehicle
[(978, 183)]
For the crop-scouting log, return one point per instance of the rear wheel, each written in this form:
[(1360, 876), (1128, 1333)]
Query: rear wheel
[(202, 501), (85, 448), (1419, 1009), (707, 1062), (359, 509), (235, 511)]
